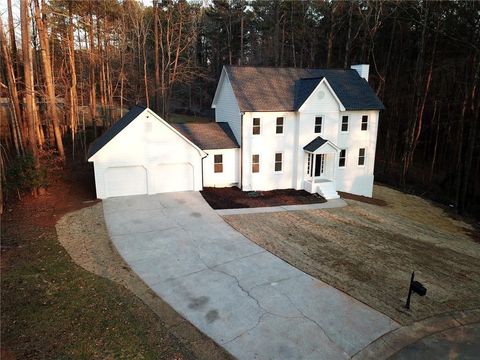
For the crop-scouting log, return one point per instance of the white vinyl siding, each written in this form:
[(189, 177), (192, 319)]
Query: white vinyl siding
[(226, 107)]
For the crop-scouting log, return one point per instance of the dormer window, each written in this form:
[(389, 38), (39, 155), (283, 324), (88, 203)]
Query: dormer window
[(279, 127), (344, 127), (318, 124), (364, 126), (256, 126)]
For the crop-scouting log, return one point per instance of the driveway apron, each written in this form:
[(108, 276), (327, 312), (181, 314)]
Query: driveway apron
[(249, 301)]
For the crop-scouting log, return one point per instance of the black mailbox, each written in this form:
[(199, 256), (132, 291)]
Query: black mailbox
[(419, 288), (415, 287)]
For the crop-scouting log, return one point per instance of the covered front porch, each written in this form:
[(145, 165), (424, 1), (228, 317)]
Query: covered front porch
[(319, 175)]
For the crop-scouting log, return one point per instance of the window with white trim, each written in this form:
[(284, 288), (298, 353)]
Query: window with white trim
[(256, 126), (255, 163), (344, 123), (218, 163), (318, 124), (361, 156), (342, 158), (278, 162), (364, 126), (279, 127)]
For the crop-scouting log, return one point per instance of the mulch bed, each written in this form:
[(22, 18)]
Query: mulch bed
[(234, 198), (363, 199)]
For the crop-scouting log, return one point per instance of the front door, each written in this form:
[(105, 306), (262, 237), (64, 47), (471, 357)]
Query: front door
[(319, 165)]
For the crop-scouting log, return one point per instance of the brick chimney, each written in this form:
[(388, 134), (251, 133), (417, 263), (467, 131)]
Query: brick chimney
[(362, 70)]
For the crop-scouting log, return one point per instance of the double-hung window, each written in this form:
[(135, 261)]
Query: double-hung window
[(256, 126), (279, 127), (361, 156), (278, 162), (218, 163), (364, 125), (255, 163), (342, 158), (318, 124), (344, 127)]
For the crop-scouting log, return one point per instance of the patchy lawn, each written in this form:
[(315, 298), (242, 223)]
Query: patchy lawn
[(52, 308), (369, 251), (234, 198)]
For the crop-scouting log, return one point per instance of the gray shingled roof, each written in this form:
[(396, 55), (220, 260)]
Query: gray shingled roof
[(273, 89), (314, 144), (208, 136), (114, 130)]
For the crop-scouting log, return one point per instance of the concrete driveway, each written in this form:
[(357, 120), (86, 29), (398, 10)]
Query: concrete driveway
[(250, 302)]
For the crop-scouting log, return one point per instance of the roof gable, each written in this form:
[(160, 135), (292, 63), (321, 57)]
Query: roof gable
[(116, 128), (126, 120), (305, 88), (320, 143), (274, 89)]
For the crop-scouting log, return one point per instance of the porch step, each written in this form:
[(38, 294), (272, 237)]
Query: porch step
[(327, 190)]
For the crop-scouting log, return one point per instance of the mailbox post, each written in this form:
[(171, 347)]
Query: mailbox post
[(415, 287)]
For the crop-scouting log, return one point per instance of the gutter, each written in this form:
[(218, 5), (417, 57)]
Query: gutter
[(241, 150)]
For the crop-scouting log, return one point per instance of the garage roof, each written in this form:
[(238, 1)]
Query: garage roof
[(208, 136)]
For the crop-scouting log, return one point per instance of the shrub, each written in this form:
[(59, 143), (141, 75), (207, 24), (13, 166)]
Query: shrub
[(21, 175)]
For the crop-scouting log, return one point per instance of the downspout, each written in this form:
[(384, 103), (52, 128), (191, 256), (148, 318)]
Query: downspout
[(241, 150), (201, 164)]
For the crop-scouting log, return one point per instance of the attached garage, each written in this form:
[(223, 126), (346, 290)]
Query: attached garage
[(143, 154)]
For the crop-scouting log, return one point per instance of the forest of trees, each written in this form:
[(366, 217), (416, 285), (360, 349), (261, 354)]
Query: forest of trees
[(59, 57)]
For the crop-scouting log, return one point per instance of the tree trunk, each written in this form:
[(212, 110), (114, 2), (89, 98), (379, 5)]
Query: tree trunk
[(157, 61), (12, 89), (48, 79), (73, 113), (471, 140), (92, 80), (27, 73), (331, 34), (349, 36), (13, 42)]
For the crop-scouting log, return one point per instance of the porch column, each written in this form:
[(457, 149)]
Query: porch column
[(334, 165), (313, 166)]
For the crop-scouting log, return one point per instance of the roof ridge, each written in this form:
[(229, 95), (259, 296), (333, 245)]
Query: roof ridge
[(284, 67)]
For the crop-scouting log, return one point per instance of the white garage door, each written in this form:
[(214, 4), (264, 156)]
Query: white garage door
[(173, 177), (126, 180)]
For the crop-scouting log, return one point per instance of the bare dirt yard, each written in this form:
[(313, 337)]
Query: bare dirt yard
[(369, 251), (234, 198)]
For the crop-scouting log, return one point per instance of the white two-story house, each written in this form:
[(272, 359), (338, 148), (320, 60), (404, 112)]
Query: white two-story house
[(275, 128), (311, 129)]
